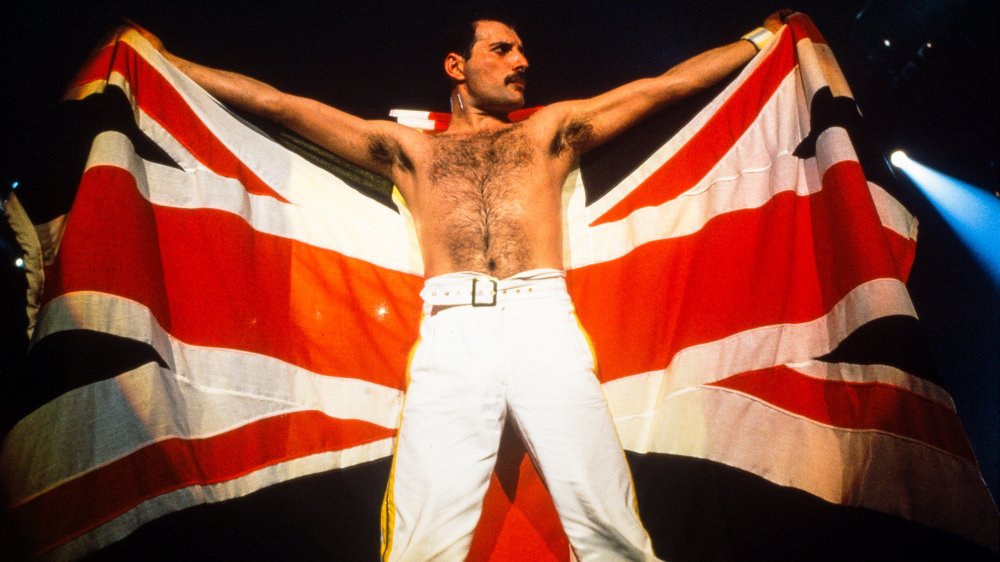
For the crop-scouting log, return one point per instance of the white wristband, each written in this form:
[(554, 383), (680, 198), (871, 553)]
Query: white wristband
[(759, 37)]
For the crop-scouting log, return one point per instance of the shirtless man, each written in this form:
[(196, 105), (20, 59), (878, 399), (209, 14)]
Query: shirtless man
[(499, 335)]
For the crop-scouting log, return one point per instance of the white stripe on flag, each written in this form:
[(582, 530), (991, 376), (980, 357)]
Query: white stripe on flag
[(757, 167), (354, 226), (676, 142), (227, 388), (891, 212), (123, 525), (865, 468), (634, 400)]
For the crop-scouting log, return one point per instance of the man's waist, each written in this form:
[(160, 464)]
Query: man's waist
[(478, 289)]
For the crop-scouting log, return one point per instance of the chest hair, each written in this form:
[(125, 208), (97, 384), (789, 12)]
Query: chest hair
[(479, 180)]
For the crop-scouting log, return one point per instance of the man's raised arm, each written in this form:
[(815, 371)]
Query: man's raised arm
[(371, 144), (609, 114)]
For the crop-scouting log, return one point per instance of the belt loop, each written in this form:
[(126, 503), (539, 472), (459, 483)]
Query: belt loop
[(493, 293)]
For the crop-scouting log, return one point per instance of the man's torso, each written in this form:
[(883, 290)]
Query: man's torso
[(488, 201)]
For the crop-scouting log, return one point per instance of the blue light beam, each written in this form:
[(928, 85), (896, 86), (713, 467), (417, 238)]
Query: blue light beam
[(971, 212)]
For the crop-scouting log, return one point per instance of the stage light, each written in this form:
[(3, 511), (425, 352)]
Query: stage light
[(887, 43), (971, 212), (15, 184), (19, 263)]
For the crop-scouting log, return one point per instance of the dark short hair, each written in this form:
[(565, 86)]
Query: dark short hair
[(460, 35)]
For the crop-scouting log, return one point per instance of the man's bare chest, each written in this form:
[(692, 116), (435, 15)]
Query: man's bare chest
[(482, 162)]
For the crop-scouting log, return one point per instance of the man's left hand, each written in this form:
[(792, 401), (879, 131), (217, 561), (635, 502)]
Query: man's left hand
[(774, 21)]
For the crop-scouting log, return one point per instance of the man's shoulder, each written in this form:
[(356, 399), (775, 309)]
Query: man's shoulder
[(561, 127)]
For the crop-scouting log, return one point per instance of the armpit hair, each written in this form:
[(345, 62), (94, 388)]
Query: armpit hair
[(577, 134), (388, 151)]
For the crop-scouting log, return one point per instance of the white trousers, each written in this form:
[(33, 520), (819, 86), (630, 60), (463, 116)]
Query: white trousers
[(527, 357)]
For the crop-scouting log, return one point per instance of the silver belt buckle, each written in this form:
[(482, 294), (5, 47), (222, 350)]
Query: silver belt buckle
[(493, 293)]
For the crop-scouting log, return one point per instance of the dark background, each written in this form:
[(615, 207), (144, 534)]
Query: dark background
[(939, 102)]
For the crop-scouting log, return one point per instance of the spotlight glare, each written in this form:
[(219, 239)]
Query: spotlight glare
[(15, 184), (971, 212), (899, 158), (19, 263), (887, 43)]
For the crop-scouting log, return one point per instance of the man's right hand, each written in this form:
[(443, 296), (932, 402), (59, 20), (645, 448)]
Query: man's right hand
[(148, 35)]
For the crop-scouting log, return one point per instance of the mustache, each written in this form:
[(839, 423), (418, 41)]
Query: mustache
[(517, 77)]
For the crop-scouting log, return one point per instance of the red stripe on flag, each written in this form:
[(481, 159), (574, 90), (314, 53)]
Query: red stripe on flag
[(519, 520), (158, 98), (853, 225), (211, 280), (704, 150), (108, 492), (852, 405), (789, 261), (903, 250), (443, 120), (97, 67)]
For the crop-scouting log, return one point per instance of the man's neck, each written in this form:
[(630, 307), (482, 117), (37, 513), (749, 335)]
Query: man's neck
[(466, 118)]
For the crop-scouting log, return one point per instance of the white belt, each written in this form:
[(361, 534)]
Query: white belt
[(476, 289)]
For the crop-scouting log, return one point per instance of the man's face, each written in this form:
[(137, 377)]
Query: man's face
[(494, 73)]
